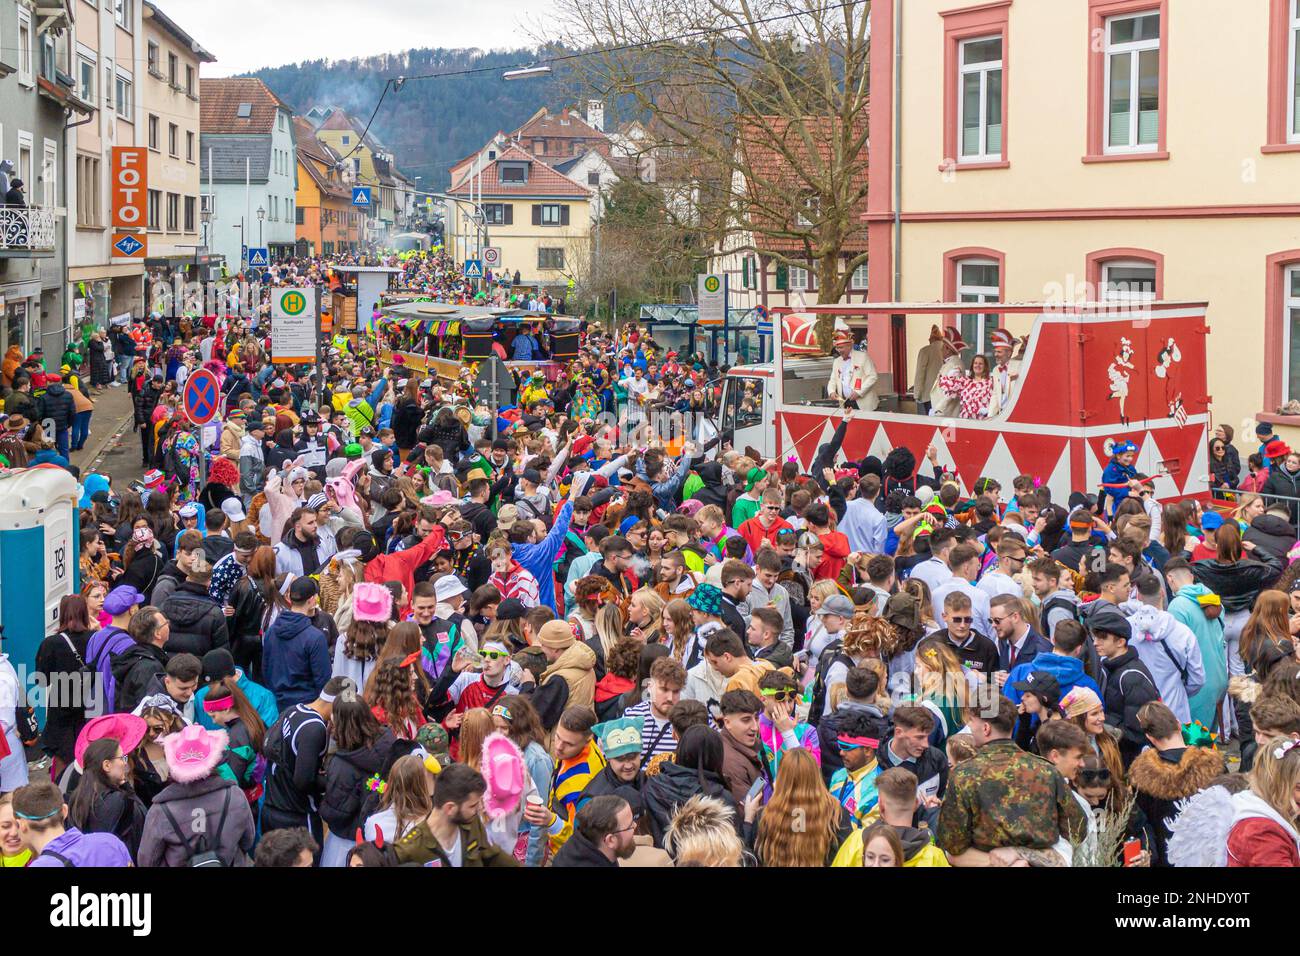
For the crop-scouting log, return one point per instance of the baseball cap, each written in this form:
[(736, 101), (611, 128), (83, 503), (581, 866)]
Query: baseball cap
[(121, 598), (302, 589), (1211, 521), (1041, 683), (234, 509)]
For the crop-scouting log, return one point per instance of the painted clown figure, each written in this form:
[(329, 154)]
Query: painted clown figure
[(853, 374), (945, 402)]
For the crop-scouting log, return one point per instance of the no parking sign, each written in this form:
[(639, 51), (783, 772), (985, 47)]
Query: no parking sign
[(201, 397)]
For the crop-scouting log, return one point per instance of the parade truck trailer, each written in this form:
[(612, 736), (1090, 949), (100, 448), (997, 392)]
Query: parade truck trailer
[(1090, 375)]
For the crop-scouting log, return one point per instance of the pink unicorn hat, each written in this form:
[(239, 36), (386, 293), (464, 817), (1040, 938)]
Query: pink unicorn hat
[(371, 602), (193, 753), (505, 775)]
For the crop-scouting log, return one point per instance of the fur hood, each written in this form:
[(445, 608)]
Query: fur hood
[(1243, 688), (1163, 780)]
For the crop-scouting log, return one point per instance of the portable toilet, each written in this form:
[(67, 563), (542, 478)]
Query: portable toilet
[(39, 556)]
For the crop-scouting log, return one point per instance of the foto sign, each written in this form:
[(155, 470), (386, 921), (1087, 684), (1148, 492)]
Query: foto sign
[(711, 293), (294, 325), (130, 245), (130, 184)]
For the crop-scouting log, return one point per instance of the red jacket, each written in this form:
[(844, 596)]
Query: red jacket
[(755, 534), (1259, 841), (401, 565), (835, 550)]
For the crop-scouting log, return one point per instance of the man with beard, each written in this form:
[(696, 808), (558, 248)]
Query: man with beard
[(602, 834), (302, 550), (312, 449), (453, 834), (620, 741)]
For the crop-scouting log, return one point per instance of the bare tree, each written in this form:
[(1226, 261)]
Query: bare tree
[(764, 103)]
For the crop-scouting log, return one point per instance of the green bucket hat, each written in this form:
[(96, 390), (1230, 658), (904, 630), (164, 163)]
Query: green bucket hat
[(619, 738)]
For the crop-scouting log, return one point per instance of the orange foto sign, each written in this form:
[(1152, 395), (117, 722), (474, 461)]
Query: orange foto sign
[(130, 187)]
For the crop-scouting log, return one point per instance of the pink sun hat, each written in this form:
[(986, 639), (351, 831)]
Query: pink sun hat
[(371, 602), (193, 753), (503, 771)]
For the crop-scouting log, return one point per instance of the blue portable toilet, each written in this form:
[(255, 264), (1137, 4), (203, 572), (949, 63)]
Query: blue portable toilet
[(39, 557)]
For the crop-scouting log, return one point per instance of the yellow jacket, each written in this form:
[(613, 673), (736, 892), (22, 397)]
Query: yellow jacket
[(850, 853)]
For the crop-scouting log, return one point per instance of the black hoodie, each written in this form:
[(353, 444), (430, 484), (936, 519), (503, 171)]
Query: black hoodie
[(578, 851), (59, 406), (345, 783), (672, 787), (133, 670), (1272, 536), (197, 622)]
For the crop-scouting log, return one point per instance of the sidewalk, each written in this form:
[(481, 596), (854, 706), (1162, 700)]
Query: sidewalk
[(114, 412)]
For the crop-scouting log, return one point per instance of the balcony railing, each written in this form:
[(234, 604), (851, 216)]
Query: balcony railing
[(27, 231)]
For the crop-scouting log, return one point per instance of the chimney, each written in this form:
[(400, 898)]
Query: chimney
[(596, 114)]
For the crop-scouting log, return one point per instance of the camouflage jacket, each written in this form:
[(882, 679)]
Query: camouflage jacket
[(1006, 797)]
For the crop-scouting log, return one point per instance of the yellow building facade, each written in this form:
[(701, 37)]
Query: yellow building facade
[(1085, 149)]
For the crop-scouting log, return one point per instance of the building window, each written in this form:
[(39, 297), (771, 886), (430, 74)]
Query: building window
[(124, 100), (123, 13), (859, 278), (154, 55), (173, 140), (810, 211), (153, 131), (189, 213), (189, 145), (593, 178), (50, 174), (86, 79), (498, 213), (173, 69), (1133, 83), (798, 279), (1290, 322), (551, 214), (979, 100), (297, 216), (155, 209), (189, 81), (512, 172), (25, 47), (1293, 74), (88, 212), (49, 56), (978, 280), (1125, 280), (550, 258), (208, 204)]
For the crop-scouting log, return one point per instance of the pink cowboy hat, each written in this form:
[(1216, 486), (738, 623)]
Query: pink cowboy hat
[(193, 753), (439, 499), (503, 770), (127, 729), (371, 602)]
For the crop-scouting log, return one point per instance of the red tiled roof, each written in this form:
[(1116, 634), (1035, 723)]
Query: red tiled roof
[(567, 124), (770, 178), (219, 101), (542, 179)]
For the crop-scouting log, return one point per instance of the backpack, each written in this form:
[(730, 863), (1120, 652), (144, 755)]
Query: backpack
[(201, 853), (102, 663), (831, 655)]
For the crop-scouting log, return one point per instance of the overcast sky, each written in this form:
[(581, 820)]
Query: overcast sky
[(247, 36)]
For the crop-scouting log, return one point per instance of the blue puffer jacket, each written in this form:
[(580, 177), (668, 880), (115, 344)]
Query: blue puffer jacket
[(295, 659), (1068, 672)]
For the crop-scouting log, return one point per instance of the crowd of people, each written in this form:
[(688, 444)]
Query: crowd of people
[(393, 628)]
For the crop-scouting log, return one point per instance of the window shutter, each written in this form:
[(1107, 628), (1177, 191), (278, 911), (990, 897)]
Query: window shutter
[(564, 215), (782, 278), (537, 215), (744, 272), (508, 218)]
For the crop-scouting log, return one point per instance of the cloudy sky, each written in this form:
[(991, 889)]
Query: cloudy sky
[(247, 36)]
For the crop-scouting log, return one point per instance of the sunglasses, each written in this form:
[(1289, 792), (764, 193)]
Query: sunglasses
[(781, 696), (960, 619), (492, 655)]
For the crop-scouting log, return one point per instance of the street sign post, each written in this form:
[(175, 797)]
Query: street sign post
[(712, 296), (295, 325), (361, 195), (492, 256), (202, 399), (258, 257), (473, 269)]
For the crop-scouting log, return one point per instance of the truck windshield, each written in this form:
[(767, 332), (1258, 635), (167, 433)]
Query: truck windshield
[(744, 404)]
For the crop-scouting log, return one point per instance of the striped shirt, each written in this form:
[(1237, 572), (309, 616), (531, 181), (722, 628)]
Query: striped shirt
[(656, 735)]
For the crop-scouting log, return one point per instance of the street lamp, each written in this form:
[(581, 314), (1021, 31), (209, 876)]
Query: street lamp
[(526, 73), (261, 214)]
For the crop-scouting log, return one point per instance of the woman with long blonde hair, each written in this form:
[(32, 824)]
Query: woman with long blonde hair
[(645, 614), (609, 631), (475, 727), (406, 800), (802, 824), (941, 684)]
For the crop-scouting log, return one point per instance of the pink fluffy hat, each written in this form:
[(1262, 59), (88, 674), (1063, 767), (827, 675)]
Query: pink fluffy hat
[(504, 772), (193, 753)]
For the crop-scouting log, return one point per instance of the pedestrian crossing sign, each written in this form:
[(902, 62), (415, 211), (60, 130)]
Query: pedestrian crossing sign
[(258, 257), (361, 195), (473, 269)]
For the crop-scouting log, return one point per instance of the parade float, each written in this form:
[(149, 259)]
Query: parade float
[(1090, 375)]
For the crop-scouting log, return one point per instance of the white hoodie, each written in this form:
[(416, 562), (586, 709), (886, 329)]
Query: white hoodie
[(1170, 652)]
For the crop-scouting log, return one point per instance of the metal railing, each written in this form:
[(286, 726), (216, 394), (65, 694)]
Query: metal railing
[(27, 229)]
